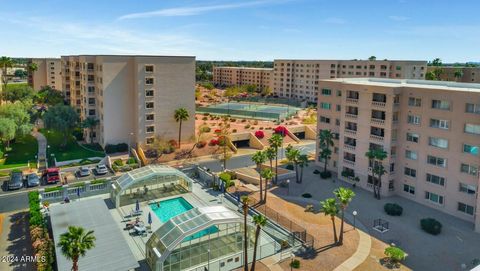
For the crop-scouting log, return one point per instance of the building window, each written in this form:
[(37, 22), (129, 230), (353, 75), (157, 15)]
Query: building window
[(441, 104), (91, 112), (438, 142), (440, 124), (467, 189), (468, 209), (149, 93), (470, 149), (149, 68), (434, 197), (339, 93), (149, 81), (324, 119), (149, 117), (472, 108), (91, 101), (435, 179), (411, 155), (326, 92), (410, 172), (149, 105), (409, 189), (91, 89), (437, 161), (469, 169), (472, 128), (150, 140), (412, 119), (414, 101), (413, 137), (150, 129), (326, 106)]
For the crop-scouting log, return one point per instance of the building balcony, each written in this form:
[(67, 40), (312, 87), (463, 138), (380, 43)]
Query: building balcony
[(349, 147), (376, 138), (350, 132), (348, 162), (352, 100), (377, 121), (379, 104), (351, 116)]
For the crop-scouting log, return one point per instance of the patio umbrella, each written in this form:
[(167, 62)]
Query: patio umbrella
[(149, 219), (137, 206)]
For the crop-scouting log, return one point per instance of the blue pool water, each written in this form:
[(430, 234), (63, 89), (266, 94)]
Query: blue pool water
[(172, 207)]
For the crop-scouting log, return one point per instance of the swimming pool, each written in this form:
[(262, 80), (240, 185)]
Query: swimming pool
[(172, 207)]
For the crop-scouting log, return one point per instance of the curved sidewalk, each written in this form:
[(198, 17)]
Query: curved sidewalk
[(364, 243)]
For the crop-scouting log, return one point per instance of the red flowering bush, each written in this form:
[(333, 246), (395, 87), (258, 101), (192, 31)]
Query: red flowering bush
[(259, 134), (213, 142), (281, 130), (217, 131)]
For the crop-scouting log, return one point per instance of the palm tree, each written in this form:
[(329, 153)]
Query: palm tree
[(5, 63), (31, 68), (245, 200), (259, 158), (74, 244), (180, 115), (302, 162), (326, 141), (293, 156), (267, 174), (330, 208), (270, 154), (276, 142), (344, 196), (90, 124), (260, 221), (458, 74), (375, 158)]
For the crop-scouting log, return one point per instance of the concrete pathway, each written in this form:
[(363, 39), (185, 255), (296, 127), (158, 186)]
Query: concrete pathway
[(42, 145)]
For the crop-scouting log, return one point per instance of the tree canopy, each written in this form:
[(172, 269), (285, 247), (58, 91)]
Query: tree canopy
[(62, 118), (18, 92), (49, 96)]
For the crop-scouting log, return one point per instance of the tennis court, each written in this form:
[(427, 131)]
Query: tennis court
[(251, 110)]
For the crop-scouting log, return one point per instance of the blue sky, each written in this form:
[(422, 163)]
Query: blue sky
[(244, 30)]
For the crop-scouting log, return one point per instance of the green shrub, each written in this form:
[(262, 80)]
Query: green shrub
[(79, 184), (395, 254), (53, 188), (131, 160), (234, 130), (307, 195), (325, 175), (289, 167), (99, 181), (205, 129), (393, 209), (244, 120), (205, 118), (206, 114), (431, 225), (225, 176), (78, 134), (112, 148), (295, 264), (255, 122), (247, 126), (118, 162)]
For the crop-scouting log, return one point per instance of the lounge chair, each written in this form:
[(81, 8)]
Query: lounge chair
[(135, 213)]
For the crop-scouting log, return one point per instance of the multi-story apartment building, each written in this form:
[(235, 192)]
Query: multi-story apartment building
[(47, 74), (238, 76), (133, 97), (299, 79), (429, 129), (458, 74)]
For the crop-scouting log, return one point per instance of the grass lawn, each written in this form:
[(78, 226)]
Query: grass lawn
[(16, 84), (22, 150), (71, 151)]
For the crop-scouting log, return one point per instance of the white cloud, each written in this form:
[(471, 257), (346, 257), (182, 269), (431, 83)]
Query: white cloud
[(335, 20), (398, 18), (194, 10)]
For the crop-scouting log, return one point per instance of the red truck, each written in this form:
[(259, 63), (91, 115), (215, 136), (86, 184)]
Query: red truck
[(51, 175)]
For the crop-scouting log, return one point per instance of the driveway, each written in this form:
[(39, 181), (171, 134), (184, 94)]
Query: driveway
[(457, 244)]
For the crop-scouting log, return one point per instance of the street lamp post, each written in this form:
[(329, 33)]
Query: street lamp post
[(130, 142), (288, 187), (208, 260), (354, 216)]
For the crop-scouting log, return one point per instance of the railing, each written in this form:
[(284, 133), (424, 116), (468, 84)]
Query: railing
[(73, 190), (378, 104), (349, 147), (52, 194), (376, 137), (98, 186), (351, 116), (377, 121), (352, 100), (351, 132), (348, 162)]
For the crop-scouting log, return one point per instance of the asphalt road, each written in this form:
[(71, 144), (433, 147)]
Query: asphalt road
[(17, 200)]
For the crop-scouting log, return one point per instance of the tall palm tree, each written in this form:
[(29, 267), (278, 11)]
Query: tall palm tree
[(326, 141), (375, 157), (270, 154), (260, 221), (267, 174), (31, 68), (245, 201), (276, 142), (344, 196), (259, 158), (293, 156), (330, 208), (74, 244), (458, 74), (302, 163), (5, 63), (90, 123), (180, 115)]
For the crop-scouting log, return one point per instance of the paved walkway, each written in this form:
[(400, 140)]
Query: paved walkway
[(42, 145)]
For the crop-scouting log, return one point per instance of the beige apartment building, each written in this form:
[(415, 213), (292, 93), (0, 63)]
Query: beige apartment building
[(133, 97), (430, 130), (239, 76), (458, 74), (47, 74), (299, 79)]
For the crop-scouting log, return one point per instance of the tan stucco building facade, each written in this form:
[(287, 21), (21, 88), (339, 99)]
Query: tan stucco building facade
[(133, 97), (429, 129), (239, 76), (47, 74), (458, 74)]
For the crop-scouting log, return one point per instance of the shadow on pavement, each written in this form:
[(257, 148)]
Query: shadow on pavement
[(19, 239)]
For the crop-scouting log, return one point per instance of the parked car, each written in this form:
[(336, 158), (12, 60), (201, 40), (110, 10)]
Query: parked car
[(83, 172), (16, 180), (33, 180), (101, 169), (51, 175)]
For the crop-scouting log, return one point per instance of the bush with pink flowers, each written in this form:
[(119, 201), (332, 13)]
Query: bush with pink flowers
[(259, 134), (281, 130), (213, 142)]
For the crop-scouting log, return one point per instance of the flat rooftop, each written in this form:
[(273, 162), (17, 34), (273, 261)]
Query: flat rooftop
[(427, 84), (243, 68), (345, 60), (111, 251)]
